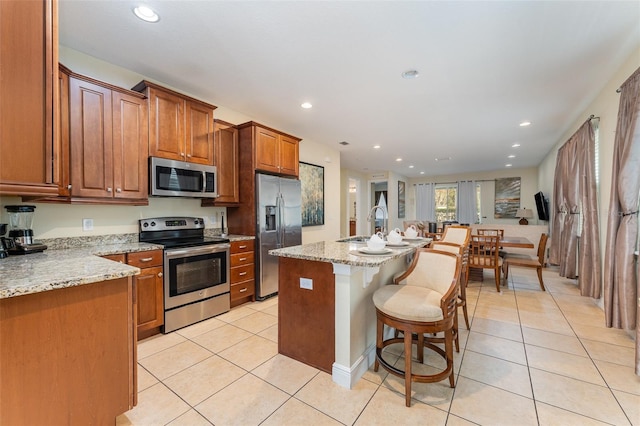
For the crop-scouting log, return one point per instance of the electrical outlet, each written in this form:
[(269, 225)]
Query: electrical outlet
[(87, 224), (306, 283)]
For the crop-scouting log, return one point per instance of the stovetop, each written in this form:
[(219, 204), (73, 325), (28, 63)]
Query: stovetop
[(190, 242), (174, 232)]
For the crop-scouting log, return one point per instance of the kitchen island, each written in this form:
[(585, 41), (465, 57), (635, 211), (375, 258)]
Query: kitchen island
[(326, 316), (67, 336)]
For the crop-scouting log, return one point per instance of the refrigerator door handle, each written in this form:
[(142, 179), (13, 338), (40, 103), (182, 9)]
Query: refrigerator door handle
[(281, 225), (278, 221)]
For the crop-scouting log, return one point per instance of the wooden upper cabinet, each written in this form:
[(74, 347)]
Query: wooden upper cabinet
[(226, 155), (108, 142), (28, 64), (180, 127), (289, 154), (199, 143), (274, 152)]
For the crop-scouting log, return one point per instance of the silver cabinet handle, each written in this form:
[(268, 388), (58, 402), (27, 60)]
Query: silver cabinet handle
[(242, 273), (146, 259), (159, 274), (189, 155), (109, 189), (243, 290), (242, 259), (242, 247), (69, 186), (182, 154), (118, 190)]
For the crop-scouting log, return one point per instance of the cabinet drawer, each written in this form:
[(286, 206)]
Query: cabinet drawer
[(240, 259), (145, 259), (120, 257), (242, 273), (242, 246), (243, 289)]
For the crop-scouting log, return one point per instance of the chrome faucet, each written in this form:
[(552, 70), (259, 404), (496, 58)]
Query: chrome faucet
[(385, 218)]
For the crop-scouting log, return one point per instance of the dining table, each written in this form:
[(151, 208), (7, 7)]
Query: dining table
[(476, 274)]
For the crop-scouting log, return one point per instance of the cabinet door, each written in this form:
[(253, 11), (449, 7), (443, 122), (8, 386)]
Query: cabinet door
[(199, 133), (26, 96), (166, 125), (150, 298), (91, 140), (130, 146), (267, 150), (61, 150), (226, 162), (288, 155)]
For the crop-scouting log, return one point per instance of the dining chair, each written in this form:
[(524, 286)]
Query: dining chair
[(424, 304), (462, 250), (457, 234), (527, 261), (487, 231), (483, 253)]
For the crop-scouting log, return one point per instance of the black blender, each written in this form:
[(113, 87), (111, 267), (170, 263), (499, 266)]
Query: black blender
[(20, 232)]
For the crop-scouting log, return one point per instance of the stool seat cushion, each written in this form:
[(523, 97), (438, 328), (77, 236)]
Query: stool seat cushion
[(409, 302)]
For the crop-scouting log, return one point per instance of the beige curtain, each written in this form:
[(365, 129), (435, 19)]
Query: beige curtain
[(574, 192), (620, 278)]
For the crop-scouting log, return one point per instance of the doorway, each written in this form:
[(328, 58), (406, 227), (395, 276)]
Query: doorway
[(378, 197)]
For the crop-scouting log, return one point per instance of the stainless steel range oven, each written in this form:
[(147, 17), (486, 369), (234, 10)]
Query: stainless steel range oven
[(196, 269)]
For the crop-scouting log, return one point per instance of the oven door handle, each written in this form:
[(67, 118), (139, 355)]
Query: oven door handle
[(191, 251)]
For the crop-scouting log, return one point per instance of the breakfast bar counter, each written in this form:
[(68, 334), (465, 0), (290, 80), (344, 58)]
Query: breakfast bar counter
[(326, 314)]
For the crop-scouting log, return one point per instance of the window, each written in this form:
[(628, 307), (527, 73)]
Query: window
[(446, 198)]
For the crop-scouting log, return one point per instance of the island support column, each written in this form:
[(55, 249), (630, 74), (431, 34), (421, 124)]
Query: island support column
[(355, 317)]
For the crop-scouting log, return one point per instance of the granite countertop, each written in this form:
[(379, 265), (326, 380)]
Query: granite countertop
[(346, 252), (61, 268)]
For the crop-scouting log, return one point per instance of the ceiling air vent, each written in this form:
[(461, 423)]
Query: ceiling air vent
[(344, 143)]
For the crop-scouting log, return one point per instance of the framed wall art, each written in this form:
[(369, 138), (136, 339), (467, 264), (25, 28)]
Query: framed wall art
[(401, 199), (312, 183), (507, 197)]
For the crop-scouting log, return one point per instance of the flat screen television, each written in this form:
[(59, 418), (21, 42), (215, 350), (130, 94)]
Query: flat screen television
[(542, 205)]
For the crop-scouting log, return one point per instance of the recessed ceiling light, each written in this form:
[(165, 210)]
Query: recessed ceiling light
[(398, 159), (515, 145), (443, 158), (376, 147), (511, 156), (306, 105), (409, 74), (421, 173), (525, 124), (411, 166), (146, 14), (508, 165)]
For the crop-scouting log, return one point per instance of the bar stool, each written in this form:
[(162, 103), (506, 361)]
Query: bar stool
[(426, 304)]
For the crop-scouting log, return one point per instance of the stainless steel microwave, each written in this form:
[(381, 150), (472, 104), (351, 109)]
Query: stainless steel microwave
[(170, 178)]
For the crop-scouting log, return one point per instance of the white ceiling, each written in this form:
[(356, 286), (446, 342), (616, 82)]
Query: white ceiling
[(484, 68)]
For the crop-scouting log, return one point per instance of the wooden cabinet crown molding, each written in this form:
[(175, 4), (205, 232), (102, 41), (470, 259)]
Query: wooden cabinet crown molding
[(144, 84), (256, 124)]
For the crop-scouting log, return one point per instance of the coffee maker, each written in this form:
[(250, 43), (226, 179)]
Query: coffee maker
[(20, 239)]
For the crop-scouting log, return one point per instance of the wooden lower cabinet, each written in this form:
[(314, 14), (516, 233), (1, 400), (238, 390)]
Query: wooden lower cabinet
[(243, 288), (68, 356), (149, 289)]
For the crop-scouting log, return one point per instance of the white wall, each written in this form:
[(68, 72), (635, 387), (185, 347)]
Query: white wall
[(63, 220), (605, 106), (528, 188)]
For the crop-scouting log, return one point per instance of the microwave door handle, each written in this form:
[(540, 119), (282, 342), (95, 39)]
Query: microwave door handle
[(203, 181)]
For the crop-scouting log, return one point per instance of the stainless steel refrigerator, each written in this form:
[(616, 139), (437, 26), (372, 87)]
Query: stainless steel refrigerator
[(279, 224)]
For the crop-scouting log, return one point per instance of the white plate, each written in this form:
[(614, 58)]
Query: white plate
[(367, 250), (400, 244), (413, 239)]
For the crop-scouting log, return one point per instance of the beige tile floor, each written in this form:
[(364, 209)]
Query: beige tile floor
[(531, 357)]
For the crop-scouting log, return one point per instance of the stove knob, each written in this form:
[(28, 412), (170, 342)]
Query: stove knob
[(153, 224), (145, 224), (196, 221)]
